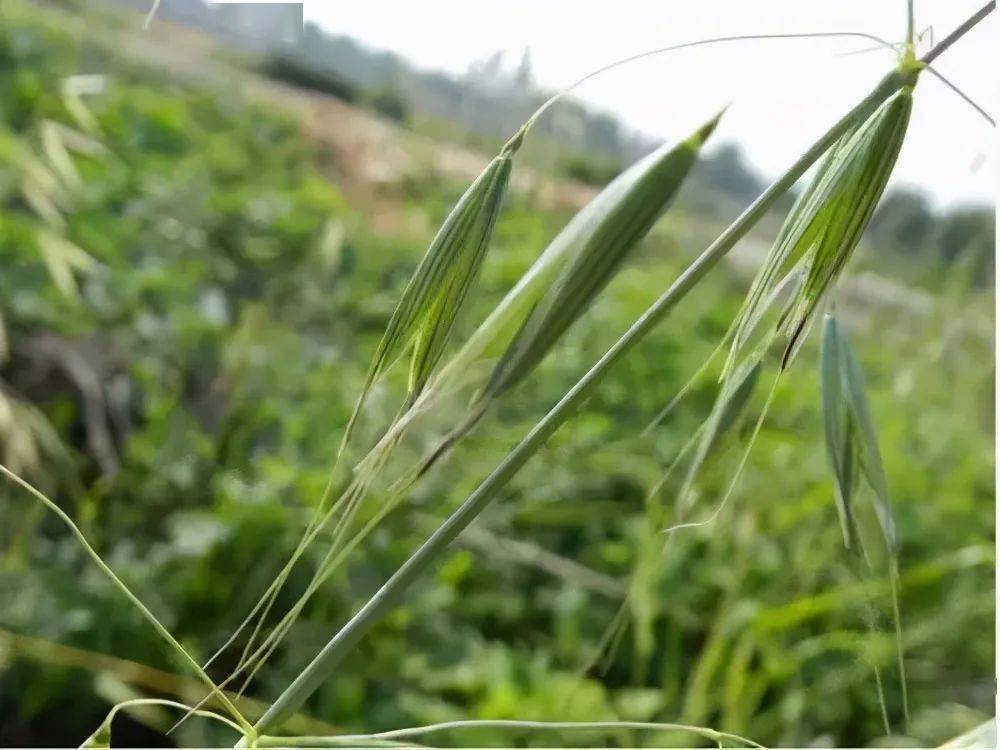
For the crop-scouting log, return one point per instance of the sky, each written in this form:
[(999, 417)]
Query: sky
[(782, 94)]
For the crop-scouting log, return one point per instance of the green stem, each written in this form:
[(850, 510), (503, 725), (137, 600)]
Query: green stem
[(959, 32), (106, 725), (127, 592), (515, 140), (562, 726), (386, 598)]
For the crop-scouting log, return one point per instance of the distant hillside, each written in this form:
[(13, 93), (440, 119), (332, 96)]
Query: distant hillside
[(493, 99), (489, 99)]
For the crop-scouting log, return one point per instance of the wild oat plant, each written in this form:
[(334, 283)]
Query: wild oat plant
[(791, 290)]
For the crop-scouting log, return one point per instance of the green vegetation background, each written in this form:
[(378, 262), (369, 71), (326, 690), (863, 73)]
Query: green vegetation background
[(183, 395)]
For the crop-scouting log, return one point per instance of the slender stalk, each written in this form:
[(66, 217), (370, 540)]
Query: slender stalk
[(151, 14), (687, 45), (606, 726), (170, 704), (959, 32), (962, 95), (159, 627), (386, 598)]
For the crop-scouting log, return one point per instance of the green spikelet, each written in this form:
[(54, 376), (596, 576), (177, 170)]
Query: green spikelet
[(426, 313), (826, 223), (615, 234)]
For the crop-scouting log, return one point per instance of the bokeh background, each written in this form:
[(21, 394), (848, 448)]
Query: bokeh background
[(204, 226)]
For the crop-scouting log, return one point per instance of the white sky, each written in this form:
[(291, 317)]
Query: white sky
[(783, 94)]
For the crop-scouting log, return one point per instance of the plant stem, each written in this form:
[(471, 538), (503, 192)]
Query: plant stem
[(959, 32), (389, 594), (159, 627), (512, 724), (151, 14)]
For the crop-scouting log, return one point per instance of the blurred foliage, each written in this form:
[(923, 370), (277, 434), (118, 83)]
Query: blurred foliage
[(391, 102), (591, 170), (291, 67), (906, 224), (199, 378)]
